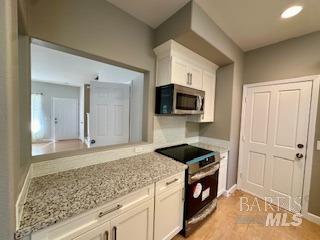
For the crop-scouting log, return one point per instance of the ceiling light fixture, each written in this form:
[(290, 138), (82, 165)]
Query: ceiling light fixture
[(291, 11)]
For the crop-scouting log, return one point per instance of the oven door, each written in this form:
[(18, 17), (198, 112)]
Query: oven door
[(202, 190), (187, 100)]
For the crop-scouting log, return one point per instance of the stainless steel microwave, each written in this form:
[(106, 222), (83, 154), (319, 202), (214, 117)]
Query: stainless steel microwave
[(176, 99)]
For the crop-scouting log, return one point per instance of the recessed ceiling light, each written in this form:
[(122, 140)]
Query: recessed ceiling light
[(291, 11)]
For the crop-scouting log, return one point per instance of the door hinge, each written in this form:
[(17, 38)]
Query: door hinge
[(243, 138), (241, 175)]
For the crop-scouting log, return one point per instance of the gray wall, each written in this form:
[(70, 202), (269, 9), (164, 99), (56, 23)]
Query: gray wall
[(179, 28), (206, 28), (9, 117), (50, 91), (99, 28), (292, 58), (24, 108), (220, 129)]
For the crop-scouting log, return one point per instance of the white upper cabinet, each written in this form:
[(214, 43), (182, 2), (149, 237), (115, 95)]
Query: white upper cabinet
[(195, 77), (179, 65), (208, 85), (179, 72), (172, 69)]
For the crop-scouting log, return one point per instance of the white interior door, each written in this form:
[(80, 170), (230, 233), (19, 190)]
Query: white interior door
[(65, 118), (276, 123), (109, 113)]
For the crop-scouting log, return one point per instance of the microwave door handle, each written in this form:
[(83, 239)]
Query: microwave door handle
[(199, 103)]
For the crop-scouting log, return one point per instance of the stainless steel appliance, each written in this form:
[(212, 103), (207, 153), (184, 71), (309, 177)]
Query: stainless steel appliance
[(176, 99), (201, 182)]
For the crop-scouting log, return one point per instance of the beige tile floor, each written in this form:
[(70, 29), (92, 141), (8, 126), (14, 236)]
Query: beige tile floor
[(223, 224)]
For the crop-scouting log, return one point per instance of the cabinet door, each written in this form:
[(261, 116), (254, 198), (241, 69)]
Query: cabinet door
[(222, 182), (169, 213), (179, 72), (101, 232), (209, 83), (195, 76), (136, 224)]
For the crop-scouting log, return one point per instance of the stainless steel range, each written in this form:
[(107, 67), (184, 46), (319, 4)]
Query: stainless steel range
[(201, 182)]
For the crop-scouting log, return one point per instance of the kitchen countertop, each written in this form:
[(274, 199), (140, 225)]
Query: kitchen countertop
[(210, 147), (56, 197)]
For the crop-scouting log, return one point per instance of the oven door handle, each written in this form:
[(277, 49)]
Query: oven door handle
[(205, 213), (201, 175)]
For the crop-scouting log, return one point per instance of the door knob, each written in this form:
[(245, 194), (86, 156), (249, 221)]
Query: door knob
[(300, 145), (299, 155)]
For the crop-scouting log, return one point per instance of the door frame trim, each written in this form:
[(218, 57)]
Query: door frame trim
[(315, 79)]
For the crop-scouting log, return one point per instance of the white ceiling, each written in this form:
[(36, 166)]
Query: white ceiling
[(256, 23), (48, 65), (151, 12)]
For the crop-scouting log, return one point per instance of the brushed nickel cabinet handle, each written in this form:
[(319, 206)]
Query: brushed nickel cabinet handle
[(101, 214), (173, 181), (114, 229)]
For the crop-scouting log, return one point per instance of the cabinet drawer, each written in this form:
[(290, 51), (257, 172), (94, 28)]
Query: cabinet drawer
[(75, 226), (170, 182)]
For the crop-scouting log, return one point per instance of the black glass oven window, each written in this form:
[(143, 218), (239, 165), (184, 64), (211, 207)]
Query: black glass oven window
[(186, 102)]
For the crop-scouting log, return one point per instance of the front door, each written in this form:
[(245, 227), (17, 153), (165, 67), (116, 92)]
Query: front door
[(275, 139), (65, 118)]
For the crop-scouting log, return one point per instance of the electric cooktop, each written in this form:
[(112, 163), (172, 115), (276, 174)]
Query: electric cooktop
[(186, 153)]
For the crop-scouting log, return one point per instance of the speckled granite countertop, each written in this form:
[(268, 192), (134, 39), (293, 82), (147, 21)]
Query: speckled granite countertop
[(211, 147), (56, 197)]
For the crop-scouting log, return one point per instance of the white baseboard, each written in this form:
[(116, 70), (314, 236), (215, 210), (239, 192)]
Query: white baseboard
[(231, 190), (311, 217), (23, 196)]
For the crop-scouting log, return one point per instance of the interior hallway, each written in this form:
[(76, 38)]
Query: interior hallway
[(59, 146), (223, 224)]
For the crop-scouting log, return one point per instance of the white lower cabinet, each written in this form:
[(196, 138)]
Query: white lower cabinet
[(153, 212), (168, 214), (136, 224), (169, 204), (101, 232), (222, 182)]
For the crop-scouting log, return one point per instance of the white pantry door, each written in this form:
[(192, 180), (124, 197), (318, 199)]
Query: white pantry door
[(109, 113), (65, 118), (275, 139)]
